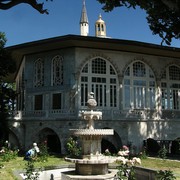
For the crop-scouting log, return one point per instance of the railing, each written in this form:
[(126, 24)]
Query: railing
[(112, 114), (60, 113)]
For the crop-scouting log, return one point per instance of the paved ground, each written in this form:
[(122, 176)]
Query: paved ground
[(50, 174)]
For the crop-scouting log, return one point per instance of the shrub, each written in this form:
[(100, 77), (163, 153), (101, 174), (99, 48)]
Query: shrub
[(43, 154), (72, 147), (31, 173), (143, 154), (126, 166), (7, 154), (165, 175), (162, 153), (107, 152)]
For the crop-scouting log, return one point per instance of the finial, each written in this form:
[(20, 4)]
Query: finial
[(84, 2), (91, 103)]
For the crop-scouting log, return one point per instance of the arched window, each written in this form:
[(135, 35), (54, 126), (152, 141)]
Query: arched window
[(170, 87), (98, 76), (138, 87), (57, 71), (39, 73)]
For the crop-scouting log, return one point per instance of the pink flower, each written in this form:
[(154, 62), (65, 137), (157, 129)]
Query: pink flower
[(125, 148)]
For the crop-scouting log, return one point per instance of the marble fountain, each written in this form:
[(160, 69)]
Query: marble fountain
[(92, 164)]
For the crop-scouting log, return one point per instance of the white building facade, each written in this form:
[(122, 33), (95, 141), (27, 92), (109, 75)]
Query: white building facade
[(136, 85)]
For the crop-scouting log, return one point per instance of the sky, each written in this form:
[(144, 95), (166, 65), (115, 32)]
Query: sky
[(23, 24)]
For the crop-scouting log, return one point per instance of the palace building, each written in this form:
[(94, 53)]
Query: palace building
[(136, 86)]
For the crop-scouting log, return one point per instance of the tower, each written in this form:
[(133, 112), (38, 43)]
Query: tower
[(100, 27), (84, 24)]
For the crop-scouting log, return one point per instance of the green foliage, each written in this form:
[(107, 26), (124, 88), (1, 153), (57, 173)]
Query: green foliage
[(31, 173), (165, 175), (7, 64), (6, 154), (43, 155), (126, 172), (162, 153), (72, 147), (107, 152), (122, 171), (143, 154), (7, 93), (162, 15)]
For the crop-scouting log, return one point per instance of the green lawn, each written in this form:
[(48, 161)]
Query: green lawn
[(19, 164), (160, 164)]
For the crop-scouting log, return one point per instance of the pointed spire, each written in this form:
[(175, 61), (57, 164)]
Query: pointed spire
[(84, 24), (84, 18)]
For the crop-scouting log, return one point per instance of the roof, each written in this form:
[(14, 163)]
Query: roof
[(67, 41)]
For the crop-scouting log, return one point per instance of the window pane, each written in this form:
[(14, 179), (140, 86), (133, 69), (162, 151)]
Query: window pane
[(38, 73), (102, 81), (127, 97), (99, 66), (85, 69), (56, 101), (139, 69), (112, 70), (38, 103), (57, 70), (174, 73)]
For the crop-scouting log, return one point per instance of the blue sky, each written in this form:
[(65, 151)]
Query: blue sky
[(24, 24)]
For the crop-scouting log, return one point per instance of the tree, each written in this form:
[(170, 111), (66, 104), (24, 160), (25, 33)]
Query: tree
[(7, 4), (163, 16), (7, 94)]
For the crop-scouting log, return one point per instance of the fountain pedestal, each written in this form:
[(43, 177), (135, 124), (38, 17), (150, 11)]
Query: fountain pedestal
[(93, 163)]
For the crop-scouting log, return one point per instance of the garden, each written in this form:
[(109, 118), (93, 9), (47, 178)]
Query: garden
[(12, 162)]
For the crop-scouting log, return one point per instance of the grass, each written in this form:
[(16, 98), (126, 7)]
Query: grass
[(163, 164), (19, 164)]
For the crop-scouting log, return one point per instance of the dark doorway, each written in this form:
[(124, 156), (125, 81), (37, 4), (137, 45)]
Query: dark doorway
[(51, 138), (105, 144), (53, 144)]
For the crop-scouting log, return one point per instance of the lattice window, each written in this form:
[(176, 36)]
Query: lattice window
[(170, 88), (102, 80), (174, 73), (57, 71), (112, 71), (39, 73), (127, 72), (98, 66), (139, 86), (85, 69), (139, 69)]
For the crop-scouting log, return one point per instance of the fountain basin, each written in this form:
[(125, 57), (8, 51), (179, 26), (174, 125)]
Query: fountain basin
[(97, 165), (71, 175)]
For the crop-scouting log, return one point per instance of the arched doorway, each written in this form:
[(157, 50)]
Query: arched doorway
[(112, 143), (13, 140), (51, 138)]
